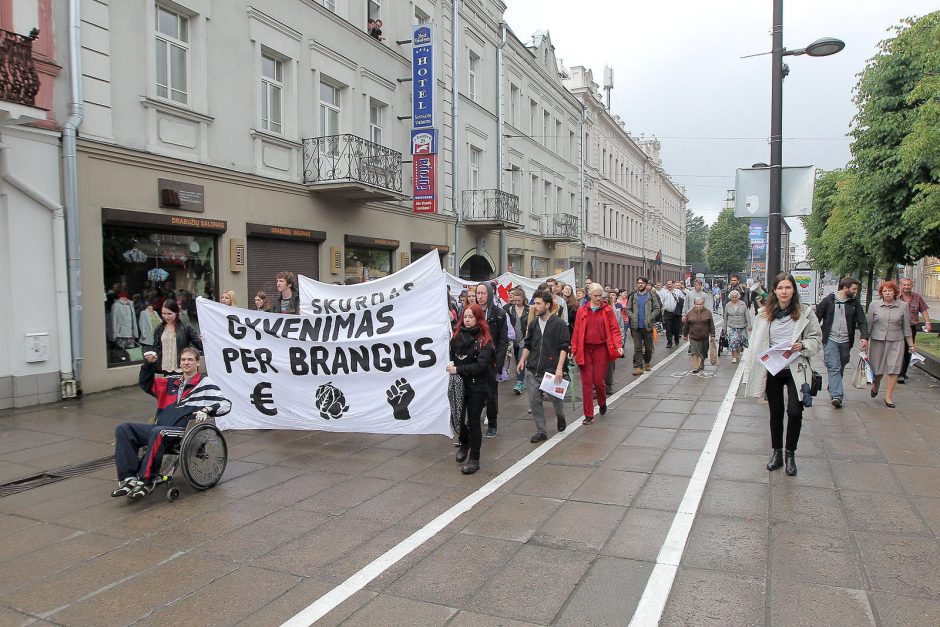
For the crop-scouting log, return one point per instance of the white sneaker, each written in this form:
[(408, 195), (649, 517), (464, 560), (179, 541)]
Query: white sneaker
[(734, 360)]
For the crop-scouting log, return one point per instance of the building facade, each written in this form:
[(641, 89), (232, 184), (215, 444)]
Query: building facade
[(224, 142)]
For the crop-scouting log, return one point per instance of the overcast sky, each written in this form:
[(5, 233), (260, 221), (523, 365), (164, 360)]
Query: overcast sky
[(678, 75)]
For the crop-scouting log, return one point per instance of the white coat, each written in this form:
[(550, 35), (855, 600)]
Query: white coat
[(806, 330)]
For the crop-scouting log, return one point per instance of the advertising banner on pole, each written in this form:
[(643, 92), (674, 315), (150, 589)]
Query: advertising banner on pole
[(752, 192), (425, 187), (807, 285)]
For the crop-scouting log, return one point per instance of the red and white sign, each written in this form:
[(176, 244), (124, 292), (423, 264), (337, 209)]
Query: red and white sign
[(425, 184)]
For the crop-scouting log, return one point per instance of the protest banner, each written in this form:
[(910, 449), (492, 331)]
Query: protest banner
[(507, 281), (364, 360)]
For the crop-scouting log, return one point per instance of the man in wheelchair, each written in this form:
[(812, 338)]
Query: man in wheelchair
[(179, 398)]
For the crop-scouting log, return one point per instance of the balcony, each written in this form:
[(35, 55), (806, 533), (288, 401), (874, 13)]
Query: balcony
[(491, 208), (352, 167), (19, 81), (561, 227)]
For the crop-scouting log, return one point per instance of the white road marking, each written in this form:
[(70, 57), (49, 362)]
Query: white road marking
[(356, 582), (653, 602)]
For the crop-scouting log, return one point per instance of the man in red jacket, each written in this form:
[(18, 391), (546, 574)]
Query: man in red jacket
[(595, 341)]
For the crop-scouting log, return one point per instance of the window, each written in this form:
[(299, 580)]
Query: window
[(604, 161), (557, 200), (533, 115), (172, 61), (272, 86), (572, 147), (533, 194), (547, 196), (375, 9), (366, 264), (556, 138), (421, 18), (474, 67), (376, 121), (546, 124), (514, 105), (475, 154), (329, 117), (328, 4)]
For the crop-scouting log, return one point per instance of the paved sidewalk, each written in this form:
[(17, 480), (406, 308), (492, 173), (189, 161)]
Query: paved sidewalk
[(571, 540)]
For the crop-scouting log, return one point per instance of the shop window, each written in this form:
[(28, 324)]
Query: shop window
[(366, 264), (142, 269), (539, 267)]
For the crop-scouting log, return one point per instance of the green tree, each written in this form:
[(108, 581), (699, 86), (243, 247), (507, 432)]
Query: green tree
[(728, 244), (896, 148), (815, 223), (696, 235)]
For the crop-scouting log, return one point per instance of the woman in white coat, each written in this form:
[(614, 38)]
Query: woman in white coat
[(783, 319)]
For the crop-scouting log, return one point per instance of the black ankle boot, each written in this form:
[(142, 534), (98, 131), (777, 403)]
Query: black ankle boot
[(791, 464), (776, 459), (462, 454)]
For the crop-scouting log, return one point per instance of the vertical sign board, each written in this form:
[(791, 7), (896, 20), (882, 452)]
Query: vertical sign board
[(807, 285), (424, 134), (757, 236)]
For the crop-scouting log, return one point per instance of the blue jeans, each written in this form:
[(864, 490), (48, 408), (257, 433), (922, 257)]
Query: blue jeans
[(836, 356)]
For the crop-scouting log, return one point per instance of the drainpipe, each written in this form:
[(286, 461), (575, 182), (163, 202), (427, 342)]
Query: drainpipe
[(581, 185), (500, 119), (70, 184), (60, 274), (454, 118)]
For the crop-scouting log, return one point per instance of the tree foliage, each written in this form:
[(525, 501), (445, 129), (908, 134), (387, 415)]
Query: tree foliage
[(728, 244), (896, 144), (846, 246), (696, 235), (815, 223)]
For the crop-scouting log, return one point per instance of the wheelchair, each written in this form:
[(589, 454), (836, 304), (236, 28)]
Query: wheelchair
[(199, 451)]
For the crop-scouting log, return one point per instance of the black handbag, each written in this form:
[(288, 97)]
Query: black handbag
[(816, 384)]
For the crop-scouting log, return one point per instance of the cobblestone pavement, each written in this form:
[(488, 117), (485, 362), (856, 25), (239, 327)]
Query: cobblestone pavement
[(852, 540)]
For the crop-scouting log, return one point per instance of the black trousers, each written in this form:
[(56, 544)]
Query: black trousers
[(794, 409), (907, 352), (492, 402), (471, 431), (672, 324)]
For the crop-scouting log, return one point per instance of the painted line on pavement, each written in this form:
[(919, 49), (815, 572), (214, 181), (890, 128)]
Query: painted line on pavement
[(356, 582), (653, 602)]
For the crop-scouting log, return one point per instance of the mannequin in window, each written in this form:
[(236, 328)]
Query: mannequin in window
[(147, 322), (124, 321)]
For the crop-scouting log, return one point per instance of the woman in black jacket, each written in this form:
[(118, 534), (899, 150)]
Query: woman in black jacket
[(171, 337), (472, 357)]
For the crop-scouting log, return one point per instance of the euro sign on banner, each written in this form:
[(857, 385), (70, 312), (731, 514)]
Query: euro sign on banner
[(364, 363)]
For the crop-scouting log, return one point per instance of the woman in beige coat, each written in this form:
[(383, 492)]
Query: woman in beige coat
[(783, 319), (889, 324)]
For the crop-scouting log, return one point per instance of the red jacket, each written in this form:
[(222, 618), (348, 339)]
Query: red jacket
[(613, 337)]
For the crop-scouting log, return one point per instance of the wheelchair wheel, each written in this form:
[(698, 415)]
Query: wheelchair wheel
[(172, 494), (203, 456)]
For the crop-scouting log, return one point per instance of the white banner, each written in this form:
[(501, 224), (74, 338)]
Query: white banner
[(367, 361), (508, 280)]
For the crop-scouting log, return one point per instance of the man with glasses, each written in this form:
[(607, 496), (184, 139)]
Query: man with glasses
[(644, 307)]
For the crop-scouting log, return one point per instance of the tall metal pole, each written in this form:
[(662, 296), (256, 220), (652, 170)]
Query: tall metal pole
[(776, 144), (454, 117)]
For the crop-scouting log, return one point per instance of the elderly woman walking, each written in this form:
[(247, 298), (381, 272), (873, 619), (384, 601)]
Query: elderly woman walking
[(737, 320), (889, 327), (699, 330), (596, 341), (783, 320)]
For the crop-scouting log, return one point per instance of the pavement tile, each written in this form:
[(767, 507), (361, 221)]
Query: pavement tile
[(918, 481), (516, 517), (739, 423), (298, 598), (907, 565), (64, 453), (651, 438), (896, 609), (553, 481), (706, 597), (871, 511), (640, 536), (746, 443), (814, 555), (399, 468), (204, 606), (929, 508), (522, 591), (817, 507), (739, 499), (662, 420), (50, 559), (472, 619), (263, 535), (391, 610), (10, 523), (853, 448), (678, 462), (253, 482), (700, 422), (32, 538), (579, 526), (346, 495), (13, 440), (633, 458), (297, 488), (456, 570), (691, 440), (675, 406), (813, 472), (14, 472), (797, 604), (397, 502), (592, 602), (740, 467), (663, 492), (612, 487), (864, 476), (584, 452), (727, 544)]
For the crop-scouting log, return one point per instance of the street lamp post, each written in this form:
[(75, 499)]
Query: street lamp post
[(819, 48)]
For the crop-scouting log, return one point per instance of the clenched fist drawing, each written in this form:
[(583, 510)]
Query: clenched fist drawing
[(400, 396)]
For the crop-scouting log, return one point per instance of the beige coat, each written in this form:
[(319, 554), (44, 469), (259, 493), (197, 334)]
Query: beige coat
[(806, 330)]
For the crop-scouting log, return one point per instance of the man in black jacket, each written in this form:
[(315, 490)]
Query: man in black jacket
[(840, 314), (547, 344), (496, 318)]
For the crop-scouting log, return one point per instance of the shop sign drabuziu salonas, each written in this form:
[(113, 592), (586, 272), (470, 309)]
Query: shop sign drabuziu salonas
[(124, 217), (275, 231), (180, 195), (424, 134)]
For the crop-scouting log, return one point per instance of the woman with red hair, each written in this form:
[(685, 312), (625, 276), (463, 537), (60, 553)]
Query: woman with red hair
[(596, 340), (889, 327), (473, 358)]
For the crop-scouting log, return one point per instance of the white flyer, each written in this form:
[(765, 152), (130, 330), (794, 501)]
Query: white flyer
[(550, 387), (778, 357)]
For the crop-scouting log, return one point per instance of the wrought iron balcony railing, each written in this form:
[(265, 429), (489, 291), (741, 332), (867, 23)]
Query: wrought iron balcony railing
[(346, 158), (561, 226), (19, 81), (491, 206)]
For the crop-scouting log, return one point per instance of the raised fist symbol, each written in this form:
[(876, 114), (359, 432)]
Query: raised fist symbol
[(331, 402), (400, 396)]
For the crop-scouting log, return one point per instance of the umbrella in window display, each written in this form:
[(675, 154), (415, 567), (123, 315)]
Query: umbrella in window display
[(158, 274), (134, 255)]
